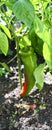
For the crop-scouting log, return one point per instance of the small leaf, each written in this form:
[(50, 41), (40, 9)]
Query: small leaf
[(6, 30), (42, 106), (35, 111), (3, 43), (38, 74), (5, 66)]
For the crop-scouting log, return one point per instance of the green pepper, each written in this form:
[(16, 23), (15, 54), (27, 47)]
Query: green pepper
[(29, 60)]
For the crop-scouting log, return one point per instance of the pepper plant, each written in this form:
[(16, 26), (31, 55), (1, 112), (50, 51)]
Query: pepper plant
[(32, 37)]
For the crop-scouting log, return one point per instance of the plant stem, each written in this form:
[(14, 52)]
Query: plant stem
[(17, 53), (18, 60), (12, 59)]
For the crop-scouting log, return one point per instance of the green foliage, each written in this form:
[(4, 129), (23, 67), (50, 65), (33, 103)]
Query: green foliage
[(36, 17), (36, 42), (5, 66), (47, 53), (3, 43), (38, 74), (6, 30), (24, 11), (8, 3), (41, 30)]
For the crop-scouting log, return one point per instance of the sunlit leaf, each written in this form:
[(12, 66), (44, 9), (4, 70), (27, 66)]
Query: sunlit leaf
[(47, 53), (6, 30), (3, 43), (42, 106), (41, 30), (5, 66)]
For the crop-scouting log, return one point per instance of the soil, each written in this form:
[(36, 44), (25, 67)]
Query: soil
[(33, 112)]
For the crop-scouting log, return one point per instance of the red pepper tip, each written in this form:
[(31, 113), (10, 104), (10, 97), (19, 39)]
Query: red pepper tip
[(24, 87)]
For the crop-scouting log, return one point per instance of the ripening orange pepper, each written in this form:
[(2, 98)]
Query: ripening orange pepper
[(24, 88)]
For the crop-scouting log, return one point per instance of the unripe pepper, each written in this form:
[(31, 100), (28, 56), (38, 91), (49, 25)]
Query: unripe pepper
[(29, 60)]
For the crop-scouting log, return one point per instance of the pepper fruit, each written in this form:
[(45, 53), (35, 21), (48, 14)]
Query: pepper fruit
[(29, 60), (24, 88)]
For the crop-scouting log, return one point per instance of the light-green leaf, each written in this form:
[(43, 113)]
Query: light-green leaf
[(6, 30), (38, 74), (41, 30), (5, 66), (3, 43), (24, 11), (47, 53)]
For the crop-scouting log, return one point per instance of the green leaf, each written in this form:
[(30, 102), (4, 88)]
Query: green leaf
[(5, 66), (45, 2), (3, 43), (41, 30), (9, 3), (39, 2), (47, 53), (38, 74), (6, 30), (24, 11), (36, 42)]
